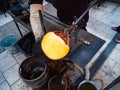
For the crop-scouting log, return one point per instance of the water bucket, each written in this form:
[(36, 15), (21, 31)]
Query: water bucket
[(88, 85), (8, 42), (34, 73)]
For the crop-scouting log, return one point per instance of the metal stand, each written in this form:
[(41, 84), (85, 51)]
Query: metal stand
[(18, 28), (15, 21)]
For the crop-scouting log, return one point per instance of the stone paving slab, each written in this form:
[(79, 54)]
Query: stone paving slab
[(1, 78), (20, 57), (101, 75), (4, 86), (9, 28), (108, 13), (116, 70), (11, 75), (5, 19), (6, 61), (1, 49), (115, 55), (108, 65), (118, 46), (20, 85)]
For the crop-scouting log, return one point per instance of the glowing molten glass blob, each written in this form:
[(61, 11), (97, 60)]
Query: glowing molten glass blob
[(54, 46)]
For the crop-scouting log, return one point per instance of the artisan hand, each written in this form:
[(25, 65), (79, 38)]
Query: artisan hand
[(35, 20)]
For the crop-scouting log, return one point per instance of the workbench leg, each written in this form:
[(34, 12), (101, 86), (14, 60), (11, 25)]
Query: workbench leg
[(18, 29)]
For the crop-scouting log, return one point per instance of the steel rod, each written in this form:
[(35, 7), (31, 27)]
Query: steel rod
[(80, 18)]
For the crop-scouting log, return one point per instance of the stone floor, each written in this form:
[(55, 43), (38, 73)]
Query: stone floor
[(101, 20)]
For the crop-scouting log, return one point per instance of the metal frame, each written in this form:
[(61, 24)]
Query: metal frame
[(103, 56)]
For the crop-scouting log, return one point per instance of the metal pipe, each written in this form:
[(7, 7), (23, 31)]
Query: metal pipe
[(80, 18)]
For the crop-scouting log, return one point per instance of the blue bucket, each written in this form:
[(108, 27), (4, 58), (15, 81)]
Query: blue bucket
[(8, 42)]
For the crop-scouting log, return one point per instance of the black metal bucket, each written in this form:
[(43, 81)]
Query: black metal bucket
[(34, 73), (26, 43)]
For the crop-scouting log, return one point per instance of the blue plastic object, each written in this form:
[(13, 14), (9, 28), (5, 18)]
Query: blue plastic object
[(9, 40)]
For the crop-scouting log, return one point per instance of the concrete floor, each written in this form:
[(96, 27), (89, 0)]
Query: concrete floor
[(101, 20)]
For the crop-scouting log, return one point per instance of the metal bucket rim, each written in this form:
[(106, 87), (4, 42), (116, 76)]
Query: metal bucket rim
[(53, 78), (88, 81), (35, 78)]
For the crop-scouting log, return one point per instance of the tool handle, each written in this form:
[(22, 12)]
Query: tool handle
[(42, 21)]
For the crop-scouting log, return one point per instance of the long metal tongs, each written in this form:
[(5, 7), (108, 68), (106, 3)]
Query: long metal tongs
[(42, 21), (75, 24)]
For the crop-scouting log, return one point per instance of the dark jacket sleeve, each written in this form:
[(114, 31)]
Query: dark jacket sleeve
[(88, 1), (35, 1)]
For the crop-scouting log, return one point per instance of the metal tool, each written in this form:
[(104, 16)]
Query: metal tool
[(75, 25), (80, 39)]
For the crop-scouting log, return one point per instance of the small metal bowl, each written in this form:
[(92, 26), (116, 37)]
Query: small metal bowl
[(57, 83), (87, 85)]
